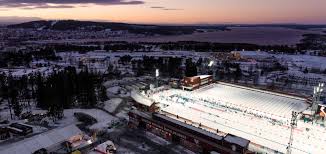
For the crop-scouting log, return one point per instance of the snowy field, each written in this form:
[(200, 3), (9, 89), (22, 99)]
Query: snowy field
[(103, 119), (260, 130)]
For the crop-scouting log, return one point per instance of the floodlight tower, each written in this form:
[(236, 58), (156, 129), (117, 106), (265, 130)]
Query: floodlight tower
[(157, 74), (293, 125), (210, 65), (316, 98)]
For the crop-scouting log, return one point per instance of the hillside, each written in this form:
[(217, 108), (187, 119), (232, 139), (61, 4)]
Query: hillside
[(63, 25)]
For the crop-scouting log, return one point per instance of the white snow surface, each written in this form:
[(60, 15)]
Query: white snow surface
[(103, 118), (270, 129), (114, 90), (112, 104), (142, 99)]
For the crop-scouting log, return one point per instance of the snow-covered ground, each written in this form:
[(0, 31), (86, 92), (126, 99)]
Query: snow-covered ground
[(114, 90), (112, 104), (103, 118), (117, 91), (257, 129), (19, 72)]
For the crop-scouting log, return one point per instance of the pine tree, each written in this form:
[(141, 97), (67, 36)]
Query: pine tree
[(102, 94), (13, 94), (191, 68)]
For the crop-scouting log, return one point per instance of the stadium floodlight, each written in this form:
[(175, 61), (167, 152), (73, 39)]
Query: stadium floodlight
[(210, 64), (157, 73)]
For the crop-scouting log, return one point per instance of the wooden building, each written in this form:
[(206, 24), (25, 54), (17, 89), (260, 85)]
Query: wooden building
[(193, 138)]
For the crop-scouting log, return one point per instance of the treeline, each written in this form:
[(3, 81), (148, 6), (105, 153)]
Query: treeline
[(23, 58), (169, 67), (313, 42), (178, 46), (108, 46), (61, 90), (224, 47), (174, 67)]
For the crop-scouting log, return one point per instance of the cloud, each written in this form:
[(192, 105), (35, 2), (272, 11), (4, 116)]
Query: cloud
[(157, 7), (44, 4), (168, 9), (164, 8), (48, 7)]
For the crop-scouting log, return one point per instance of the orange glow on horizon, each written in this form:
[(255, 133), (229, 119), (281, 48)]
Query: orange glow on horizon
[(190, 12)]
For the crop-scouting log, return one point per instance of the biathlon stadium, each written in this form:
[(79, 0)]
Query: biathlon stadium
[(262, 117)]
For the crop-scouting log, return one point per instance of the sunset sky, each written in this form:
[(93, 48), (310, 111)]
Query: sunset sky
[(172, 11)]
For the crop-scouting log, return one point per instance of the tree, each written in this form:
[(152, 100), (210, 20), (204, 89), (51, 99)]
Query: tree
[(102, 94), (13, 94), (237, 73), (191, 68)]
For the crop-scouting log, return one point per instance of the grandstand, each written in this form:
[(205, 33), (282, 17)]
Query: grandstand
[(262, 117)]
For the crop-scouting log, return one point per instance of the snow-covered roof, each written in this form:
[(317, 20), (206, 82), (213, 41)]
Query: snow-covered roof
[(141, 99), (196, 129), (237, 140), (44, 140), (203, 76)]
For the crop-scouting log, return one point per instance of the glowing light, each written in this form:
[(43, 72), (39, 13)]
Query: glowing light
[(211, 63), (157, 73)]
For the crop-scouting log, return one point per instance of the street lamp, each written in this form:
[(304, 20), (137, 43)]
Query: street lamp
[(210, 64), (157, 74)]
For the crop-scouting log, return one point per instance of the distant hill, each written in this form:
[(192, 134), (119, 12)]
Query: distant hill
[(290, 26), (64, 25), (9, 20)]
